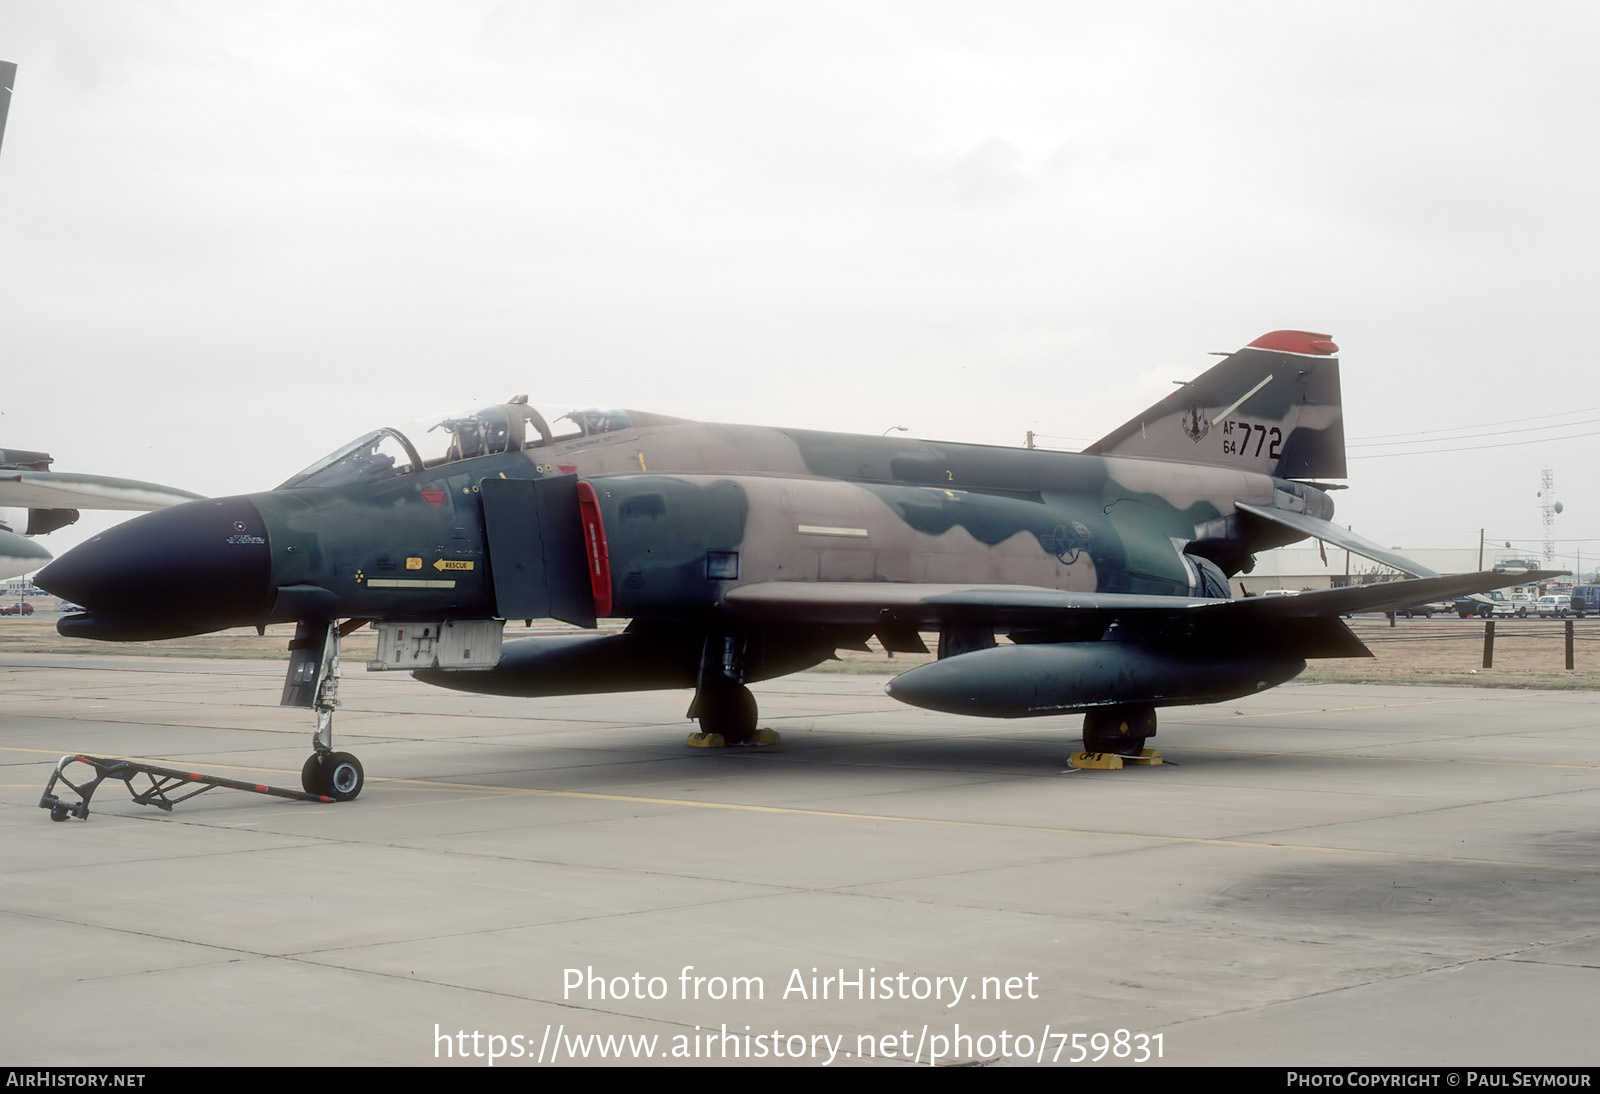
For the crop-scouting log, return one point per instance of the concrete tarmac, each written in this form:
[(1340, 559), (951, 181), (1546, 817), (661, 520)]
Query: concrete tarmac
[(1326, 875)]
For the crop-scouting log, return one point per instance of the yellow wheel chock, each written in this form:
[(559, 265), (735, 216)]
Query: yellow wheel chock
[(716, 740), (1110, 761)]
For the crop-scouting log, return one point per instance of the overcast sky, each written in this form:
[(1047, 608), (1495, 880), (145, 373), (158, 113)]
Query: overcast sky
[(236, 234)]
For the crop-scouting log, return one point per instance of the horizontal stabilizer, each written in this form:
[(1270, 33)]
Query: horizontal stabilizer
[(1384, 596), (1330, 532)]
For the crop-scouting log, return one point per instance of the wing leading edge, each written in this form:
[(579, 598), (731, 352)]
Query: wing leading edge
[(66, 490), (854, 603)]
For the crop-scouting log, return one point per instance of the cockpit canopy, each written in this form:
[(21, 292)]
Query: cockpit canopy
[(511, 427)]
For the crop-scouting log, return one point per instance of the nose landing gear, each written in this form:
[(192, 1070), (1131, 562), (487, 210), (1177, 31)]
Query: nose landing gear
[(335, 774), (313, 681)]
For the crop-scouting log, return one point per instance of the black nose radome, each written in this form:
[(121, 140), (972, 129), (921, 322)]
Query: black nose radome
[(196, 567)]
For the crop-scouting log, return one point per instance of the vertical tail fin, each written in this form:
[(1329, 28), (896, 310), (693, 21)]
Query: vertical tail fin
[(1272, 407), (8, 80)]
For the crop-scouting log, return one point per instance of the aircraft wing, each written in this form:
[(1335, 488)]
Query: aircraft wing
[(866, 603), (66, 490), (863, 602)]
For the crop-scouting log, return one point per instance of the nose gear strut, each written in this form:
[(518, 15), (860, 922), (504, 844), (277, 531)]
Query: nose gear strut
[(313, 681)]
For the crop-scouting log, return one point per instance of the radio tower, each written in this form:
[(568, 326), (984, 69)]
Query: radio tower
[(1548, 509)]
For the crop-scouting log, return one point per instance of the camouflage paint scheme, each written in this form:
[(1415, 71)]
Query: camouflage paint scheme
[(743, 552)]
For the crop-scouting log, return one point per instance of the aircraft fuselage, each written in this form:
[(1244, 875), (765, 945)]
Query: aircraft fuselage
[(683, 513)]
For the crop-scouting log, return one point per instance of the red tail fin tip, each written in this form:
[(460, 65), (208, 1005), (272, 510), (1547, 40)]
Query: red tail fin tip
[(1297, 341)]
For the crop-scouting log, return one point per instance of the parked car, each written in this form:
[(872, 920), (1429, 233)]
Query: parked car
[(22, 608), (1483, 605), (1554, 606), (1427, 611)]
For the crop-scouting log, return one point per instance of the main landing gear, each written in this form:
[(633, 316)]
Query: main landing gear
[(1121, 729), (313, 681), (722, 704), (1114, 736)]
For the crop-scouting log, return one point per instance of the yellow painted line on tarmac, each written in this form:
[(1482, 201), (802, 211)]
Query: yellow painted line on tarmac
[(991, 826), (1146, 837), (994, 826), (936, 822)]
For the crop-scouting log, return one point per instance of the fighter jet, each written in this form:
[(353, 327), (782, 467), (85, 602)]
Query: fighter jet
[(1057, 583)]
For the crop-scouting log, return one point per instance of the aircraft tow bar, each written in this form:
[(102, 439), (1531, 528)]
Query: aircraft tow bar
[(162, 782)]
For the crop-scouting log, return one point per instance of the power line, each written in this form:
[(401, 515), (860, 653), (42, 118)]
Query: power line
[(1497, 433), (1485, 425), (1475, 447), (1516, 539)]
